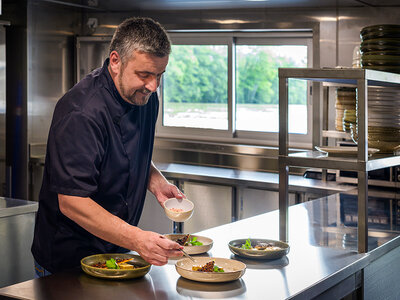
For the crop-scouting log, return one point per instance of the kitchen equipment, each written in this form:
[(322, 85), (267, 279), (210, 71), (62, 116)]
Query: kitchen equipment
[(187, 255)]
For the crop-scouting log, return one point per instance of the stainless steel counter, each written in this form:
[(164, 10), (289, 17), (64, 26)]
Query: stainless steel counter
[(12, 207), (17, 219), (322, 262)]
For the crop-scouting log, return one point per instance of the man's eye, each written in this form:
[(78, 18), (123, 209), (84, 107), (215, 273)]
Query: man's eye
[(144, 76)]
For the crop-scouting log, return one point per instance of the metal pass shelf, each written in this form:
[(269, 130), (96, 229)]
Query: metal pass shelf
[(361, 162)]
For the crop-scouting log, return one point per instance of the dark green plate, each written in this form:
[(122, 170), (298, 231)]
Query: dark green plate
[(393, 58), (141, 266), (380, 45), (236, 248), (380, 27), (380, 31), (382, 53)]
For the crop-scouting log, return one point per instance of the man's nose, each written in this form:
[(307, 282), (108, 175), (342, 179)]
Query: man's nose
[(152, 84)]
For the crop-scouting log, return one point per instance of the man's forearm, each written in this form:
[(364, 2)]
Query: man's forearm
[(98, 221), (156, 179)]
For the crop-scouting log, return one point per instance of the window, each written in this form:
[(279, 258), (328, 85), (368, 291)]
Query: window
[(224, 87), (195, 87)]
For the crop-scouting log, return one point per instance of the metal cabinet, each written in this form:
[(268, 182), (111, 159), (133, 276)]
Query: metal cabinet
[(362, 164)]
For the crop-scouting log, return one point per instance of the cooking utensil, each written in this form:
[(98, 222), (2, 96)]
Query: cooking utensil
[(187, 255)]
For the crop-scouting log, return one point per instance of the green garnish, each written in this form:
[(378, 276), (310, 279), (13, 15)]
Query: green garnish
[(247, 245), (112, 264), (194, 242), (218, 269)]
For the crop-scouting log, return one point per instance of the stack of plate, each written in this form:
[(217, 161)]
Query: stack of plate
[(384, 118), (380, 47), (346, 102)]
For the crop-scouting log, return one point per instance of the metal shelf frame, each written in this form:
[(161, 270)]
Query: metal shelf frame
[(360, 78)]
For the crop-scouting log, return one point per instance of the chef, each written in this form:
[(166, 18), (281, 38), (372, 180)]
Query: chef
[(99, 158)]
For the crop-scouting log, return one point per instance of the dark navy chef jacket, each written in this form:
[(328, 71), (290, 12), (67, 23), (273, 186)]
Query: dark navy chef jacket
[(99, 146)]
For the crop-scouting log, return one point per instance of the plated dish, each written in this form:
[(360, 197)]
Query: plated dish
[(259, 248), (192, 244), (210, 269), (96, 265), (222, 269)]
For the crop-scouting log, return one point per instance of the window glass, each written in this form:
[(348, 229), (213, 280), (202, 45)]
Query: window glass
[(257, 89), (195, 92)]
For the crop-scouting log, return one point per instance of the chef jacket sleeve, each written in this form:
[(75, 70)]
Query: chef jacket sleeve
[(75, 150)]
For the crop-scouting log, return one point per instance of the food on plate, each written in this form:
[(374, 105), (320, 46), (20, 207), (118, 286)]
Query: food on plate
[(177, 210), (260, 246), (182, 241), (112, 263), (187, 240), (208, 267)]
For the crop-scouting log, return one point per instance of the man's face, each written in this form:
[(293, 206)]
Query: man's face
[(140, 76)]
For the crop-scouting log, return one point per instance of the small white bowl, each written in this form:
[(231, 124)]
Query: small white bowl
[(178, 210)]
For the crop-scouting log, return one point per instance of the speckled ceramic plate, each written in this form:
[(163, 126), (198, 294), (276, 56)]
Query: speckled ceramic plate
[(236, 248), (233, 269), (141, 266), (207, 243)]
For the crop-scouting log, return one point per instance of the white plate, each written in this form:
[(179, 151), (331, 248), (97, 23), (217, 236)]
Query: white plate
[(207, 243), (233, 269), (344, 150)]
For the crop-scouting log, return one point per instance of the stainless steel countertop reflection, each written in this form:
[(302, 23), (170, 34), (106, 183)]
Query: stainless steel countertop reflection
[(323, 252), (11, 207)]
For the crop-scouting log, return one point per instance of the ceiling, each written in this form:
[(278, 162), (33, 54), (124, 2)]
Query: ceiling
[(228, 4)]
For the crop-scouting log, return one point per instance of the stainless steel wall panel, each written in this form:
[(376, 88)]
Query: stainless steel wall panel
[(254, 202), (212, 206), (90, 54), (2, 111), (51, 62), (153, 217)]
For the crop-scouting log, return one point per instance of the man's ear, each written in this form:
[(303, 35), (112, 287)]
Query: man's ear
[(115, 62)]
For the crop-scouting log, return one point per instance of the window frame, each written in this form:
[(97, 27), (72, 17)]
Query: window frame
[(231, 39)]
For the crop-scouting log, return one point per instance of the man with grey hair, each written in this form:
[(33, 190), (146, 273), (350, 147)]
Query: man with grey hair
[(98, 161)]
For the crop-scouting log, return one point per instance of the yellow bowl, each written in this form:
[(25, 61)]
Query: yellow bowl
[(178, 210)]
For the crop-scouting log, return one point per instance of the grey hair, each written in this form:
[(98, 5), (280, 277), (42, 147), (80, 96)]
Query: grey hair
[(140, 34)]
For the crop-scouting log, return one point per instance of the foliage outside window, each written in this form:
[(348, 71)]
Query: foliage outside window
[(195, 87), (230, 89)]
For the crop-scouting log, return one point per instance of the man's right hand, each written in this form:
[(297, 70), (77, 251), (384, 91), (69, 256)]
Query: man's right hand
[(154, 248)]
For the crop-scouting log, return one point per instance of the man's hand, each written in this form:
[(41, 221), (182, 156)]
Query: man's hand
[(161, 188), (155, 248)]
